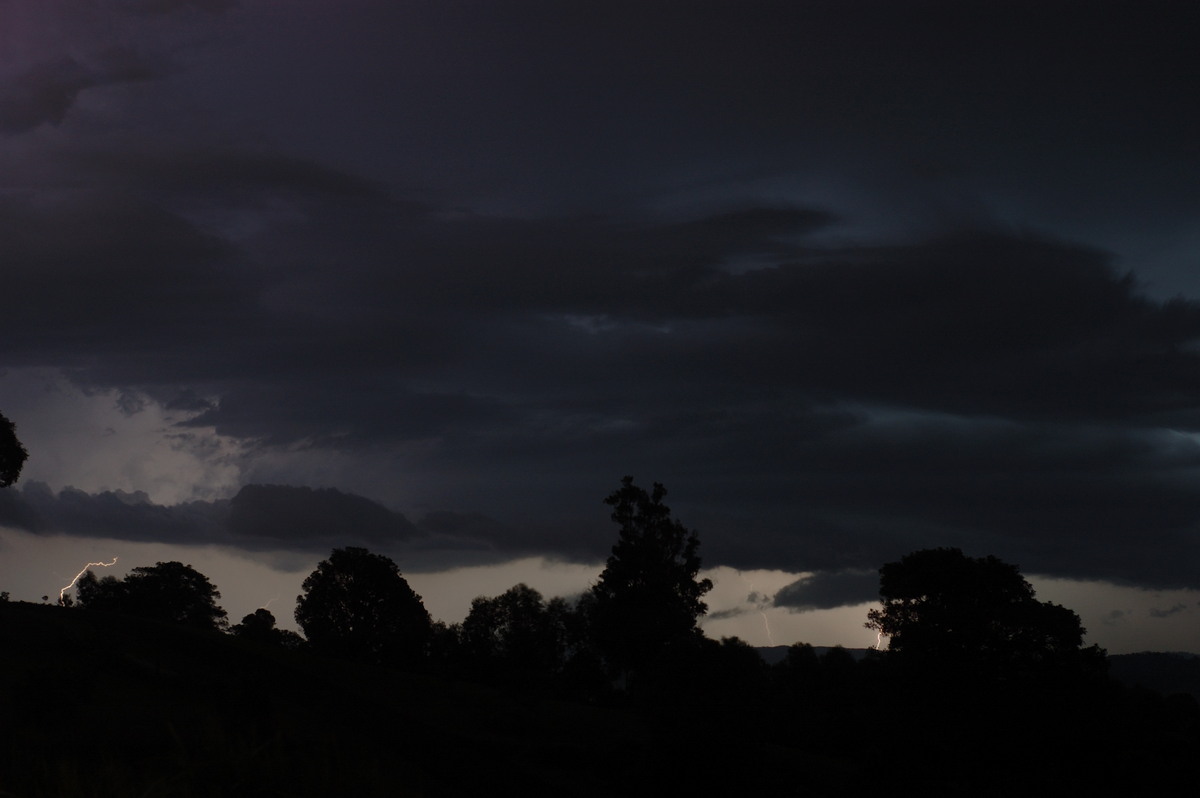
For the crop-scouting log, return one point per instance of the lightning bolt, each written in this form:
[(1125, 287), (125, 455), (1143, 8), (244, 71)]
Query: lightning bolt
[(63, 592), (767, 625), (269, 603), (760, 607)]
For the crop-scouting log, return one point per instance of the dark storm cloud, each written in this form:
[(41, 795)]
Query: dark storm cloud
[(1029, 376), (1001, 389), (154, 7), (291, 518), (985, 323), (361, 409), (975, 323), (161, 264), (107, 275), (979, 322), (477, 534), (916, 97), (290, 514), (227, 174), (1167, 613), (45, 92), (1090, 503), (262, 518), (115, 514), (827, 590), (514, 251)]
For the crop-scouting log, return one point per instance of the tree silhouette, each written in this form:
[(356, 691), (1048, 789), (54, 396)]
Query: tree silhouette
[(259, 626), (516, 637), (12, 453), (946, 610), (800, 664), (356, 605), (166, 591), (736, 670), (648, 597)]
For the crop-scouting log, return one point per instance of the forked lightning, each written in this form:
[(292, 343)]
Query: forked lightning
[(62, 593)]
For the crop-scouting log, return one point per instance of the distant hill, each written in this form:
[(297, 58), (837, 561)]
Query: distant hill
[(775, 654), (1164, 672), (1168, 673)]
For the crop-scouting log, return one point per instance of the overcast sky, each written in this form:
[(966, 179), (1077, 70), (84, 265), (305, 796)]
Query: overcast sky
[(851, 278)]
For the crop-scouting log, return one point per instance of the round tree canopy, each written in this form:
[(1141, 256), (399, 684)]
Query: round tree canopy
[(357, 605)]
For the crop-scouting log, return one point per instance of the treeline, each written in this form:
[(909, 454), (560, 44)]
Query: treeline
[(983, 690), (944, 613), (639, 618)]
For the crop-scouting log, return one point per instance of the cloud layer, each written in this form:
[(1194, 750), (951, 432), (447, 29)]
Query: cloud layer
[(267, 518), (851, 280)]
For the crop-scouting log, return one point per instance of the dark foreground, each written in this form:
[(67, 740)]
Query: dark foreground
[(105, 705)]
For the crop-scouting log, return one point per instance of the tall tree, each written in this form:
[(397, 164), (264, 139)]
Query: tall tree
[(166, 591), (12, 453), (357, 605), (648, 597), (945, 610)]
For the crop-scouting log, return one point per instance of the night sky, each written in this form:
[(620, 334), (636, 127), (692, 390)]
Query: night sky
[(850, 278)]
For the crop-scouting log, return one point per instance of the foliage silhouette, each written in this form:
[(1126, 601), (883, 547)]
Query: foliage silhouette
[(648, 597), (517, 637), (226, 714), (736, 671), (12, 453), (259, 627), (166, 591), (946, 611), (802, 660), (356, 605)]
